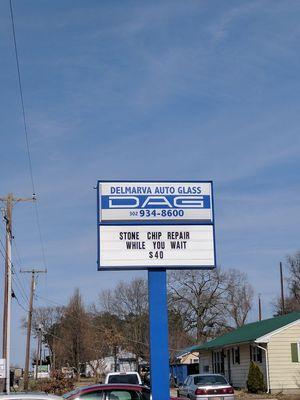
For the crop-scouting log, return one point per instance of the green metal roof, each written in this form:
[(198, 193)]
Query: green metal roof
[(249, 332)]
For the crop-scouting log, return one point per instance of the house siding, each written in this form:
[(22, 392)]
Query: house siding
[(205, 358), (284, 374), (205, 361), (238, 372)]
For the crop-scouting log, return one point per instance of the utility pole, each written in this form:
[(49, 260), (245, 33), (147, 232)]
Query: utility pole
[(41, 346), (38, 350), (33, 273), (282, 292), (259, 308), (9, 200)]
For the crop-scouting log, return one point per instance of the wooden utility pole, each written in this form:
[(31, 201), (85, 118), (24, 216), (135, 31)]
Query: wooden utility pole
[(39, 357), (33, 273), (282, 292), (9, 201), (259, 308)]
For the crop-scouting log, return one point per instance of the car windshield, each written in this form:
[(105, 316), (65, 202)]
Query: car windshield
[(122, 395), (126, 378), (206, 380)]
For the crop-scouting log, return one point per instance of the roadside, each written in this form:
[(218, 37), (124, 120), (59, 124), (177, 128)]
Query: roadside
[(241, 395)]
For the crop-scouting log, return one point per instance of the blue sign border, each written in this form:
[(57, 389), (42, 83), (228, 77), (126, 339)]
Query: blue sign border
[(151, 223)]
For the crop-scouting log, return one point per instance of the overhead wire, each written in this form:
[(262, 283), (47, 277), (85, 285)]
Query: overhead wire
[(89, 324), (92, 325), (14, 281), (13, 265), (20, 263), (19, 304), (26, 131), (21, 94), (15, 277)]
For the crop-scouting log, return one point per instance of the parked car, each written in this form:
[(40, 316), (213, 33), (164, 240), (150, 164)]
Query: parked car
[(131, 377), (208, 386), (116, 391), (28, 396)]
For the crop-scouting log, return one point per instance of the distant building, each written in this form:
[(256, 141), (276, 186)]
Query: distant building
[(123, 361), (185, 363)]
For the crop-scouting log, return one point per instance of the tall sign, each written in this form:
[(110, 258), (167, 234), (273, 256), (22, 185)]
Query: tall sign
[(156, 226), (144, 225)]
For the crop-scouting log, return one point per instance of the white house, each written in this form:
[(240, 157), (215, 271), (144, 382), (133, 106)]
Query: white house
[(273, 344), (124, 361)]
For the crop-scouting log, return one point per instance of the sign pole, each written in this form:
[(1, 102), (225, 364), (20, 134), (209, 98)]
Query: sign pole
[(159, 351)]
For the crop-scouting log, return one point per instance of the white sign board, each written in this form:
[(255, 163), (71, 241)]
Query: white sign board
[(180, 246), (2, 368), (145, 225)]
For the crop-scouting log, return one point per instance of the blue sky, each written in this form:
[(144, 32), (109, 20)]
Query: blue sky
[(151, 90)]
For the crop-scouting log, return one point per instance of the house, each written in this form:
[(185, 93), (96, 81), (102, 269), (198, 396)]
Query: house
[(273, 344), (123, 361), (184, 363), (187, 357)]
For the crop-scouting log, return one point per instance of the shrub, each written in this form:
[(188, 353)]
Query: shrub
[(57, 384), (255, 382)]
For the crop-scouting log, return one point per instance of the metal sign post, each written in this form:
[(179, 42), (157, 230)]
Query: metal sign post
[(156, 226), (159, 351)]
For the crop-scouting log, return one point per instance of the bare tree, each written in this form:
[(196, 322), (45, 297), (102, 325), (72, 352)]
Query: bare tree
[(293, 263), (210, 302), (199, 296), (178, 337), (48, 318), (292, 298), (129, 303), (239, 297)]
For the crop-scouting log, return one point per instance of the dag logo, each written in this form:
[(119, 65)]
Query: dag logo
[(155, 202)]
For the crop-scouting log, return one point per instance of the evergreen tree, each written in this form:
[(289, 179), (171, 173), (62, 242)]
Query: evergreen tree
[(255, 382)]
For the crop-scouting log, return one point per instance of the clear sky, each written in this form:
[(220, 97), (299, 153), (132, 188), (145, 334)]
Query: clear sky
[(181, 90)]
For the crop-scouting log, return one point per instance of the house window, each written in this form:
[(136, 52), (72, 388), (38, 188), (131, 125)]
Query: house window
[(218, 362), (295, 352), (255, 354), (235, 355)]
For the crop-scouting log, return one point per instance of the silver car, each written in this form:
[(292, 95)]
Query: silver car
[(28, 396), (206, 387)]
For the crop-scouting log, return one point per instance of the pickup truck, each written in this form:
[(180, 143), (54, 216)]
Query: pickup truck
[(124, 377)]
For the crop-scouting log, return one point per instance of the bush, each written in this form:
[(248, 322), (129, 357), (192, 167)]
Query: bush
[(57, 384), (255, 382)]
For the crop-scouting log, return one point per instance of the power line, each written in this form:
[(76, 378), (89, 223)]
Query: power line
[(26, 129), (88, 323), (15, 275), (15, 282), (20, 305), (92, 325), (21, 94), (33, 273), (20, 265)]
